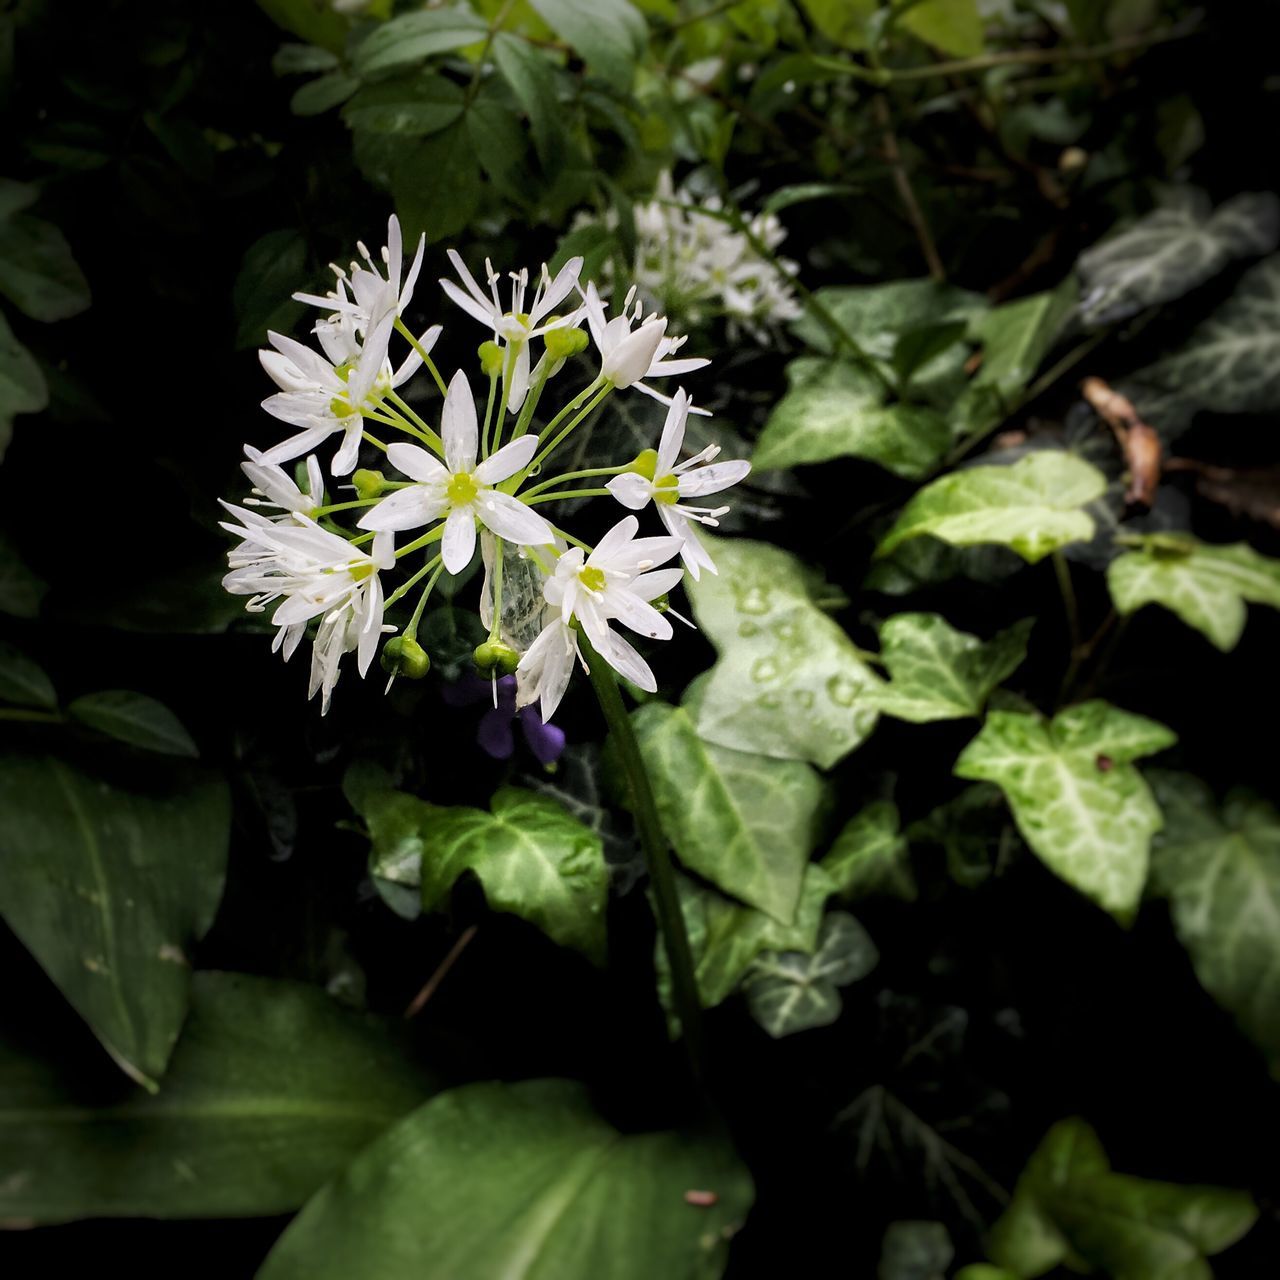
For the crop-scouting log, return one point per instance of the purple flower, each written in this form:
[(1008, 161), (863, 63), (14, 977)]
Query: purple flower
[(495, 733)]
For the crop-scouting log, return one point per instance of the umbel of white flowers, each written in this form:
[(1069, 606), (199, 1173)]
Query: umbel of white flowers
[(320, 561)]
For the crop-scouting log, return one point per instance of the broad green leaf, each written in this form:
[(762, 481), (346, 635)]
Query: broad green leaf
[(411, 37), (314, 21), (610, 35), (973, 831), (501, 142), (136, 719), (323, 93), (870, 856), (532, 77), (746, 822), (916, 347), (982, 1271), (270, 271), (22, 682), (788, 682), (1032, 506), (837, 410), (954, 26), (408, 106), (109, 889), (37, 272), (939, 673), (915, 1251), (21, 591), (844, 21), (16, 196), (924, 562), (22, 385), (272, 1089), (791, 991), (1172, 250), (1220, 870), (522, 1181), (1231, 362), (302, 59), (1075, 795), (441, 209), (1207, 586), (1069, 1207)]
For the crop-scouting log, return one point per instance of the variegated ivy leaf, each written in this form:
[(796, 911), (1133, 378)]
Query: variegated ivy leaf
[(835, 410), (1075, 795), (789, 682), (1206, 586), (1220, 870), (789, 991), (939, 673), (746, 822), (1172, 250), (1230, 363), (870, 855), (1032, 506)]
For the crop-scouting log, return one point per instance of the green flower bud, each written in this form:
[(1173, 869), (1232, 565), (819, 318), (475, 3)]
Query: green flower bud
[(645, 463), (404, 656), (368, 484), (563, 343), (490, 358), (494, 655)]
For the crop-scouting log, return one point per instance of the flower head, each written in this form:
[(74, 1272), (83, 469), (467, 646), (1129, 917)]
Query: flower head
[(277, 488)]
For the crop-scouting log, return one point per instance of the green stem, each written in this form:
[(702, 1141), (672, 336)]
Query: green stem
[(565, 494), (405, 332), (531, 400), (586, 474), (496, 629), (424, 429), (433, 535), (344, 506), (584, 412), (32, 717), (657, 856), (403, 590), (1065, 587), (373, 440), (411, 631), (488, 414)]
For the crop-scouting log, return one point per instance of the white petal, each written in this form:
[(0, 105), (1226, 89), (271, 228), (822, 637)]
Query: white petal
[(648, 586), (619, 654), (512, 457), (637, 614), (404, 509), (632, 490), (614, 540), (459, 542), (482, 311), (417, 463), (629, 361), (296, 446), (557, 290), (459, 427), (673, 433), (344, 460), (719, 475), (509, 518)]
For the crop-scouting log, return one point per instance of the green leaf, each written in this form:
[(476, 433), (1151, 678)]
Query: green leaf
[(440, 209), (610, 35), (1032, 506), (1075, 795), (532, 77), (844, 21), (972, 830), (37, 272), (836, 410), (1070, 1208), (790, 991), (522, 1181), (916, 347), (22, 682), (981, 1271), (1169, 252), (109, 889), (1231, 362), (323, 93), (22, 385), (746, 822), (302, 59), (246, 1124), (408, 106), (915, 1251), (500, 143), (1206, 586), (1220, 871), (939, 673), (270, 271), (954, 26), (136, 719), (870, 856), (314, 21), (411, 37), (21, 591), (789, 682)]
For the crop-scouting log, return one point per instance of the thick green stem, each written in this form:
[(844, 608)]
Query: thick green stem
[(657, 856), (405, 332)]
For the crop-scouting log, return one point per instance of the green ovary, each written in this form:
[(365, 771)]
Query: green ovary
[(462, 489), (591, 578)]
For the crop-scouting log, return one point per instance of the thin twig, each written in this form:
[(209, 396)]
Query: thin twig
[(902, 181), (442, 972)]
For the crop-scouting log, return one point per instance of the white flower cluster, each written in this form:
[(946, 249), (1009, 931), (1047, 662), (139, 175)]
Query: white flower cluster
[(470, 477), (691, 263)]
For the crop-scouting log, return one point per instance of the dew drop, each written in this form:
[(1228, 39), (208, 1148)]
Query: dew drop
[(764, 669), (752, 599), (842, 690), (748, 629)]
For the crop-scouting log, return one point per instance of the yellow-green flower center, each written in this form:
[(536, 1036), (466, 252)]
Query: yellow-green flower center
[(667, 489), (360, 570), (462, 489), (591, 578)]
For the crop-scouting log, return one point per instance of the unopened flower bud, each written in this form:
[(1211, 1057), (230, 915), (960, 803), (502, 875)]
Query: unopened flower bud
[(369, 484), (563, 343), (494, 655), (490, 358), (404, 656), (645, 463), (629, 361)]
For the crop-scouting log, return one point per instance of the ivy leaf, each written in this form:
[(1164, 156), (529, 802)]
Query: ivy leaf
[(22, 385), (1220, 871), (22, 682), (1075, 795), (1172, 250), (1206, 586), (521, 1181), (1231, 362), (413, 37), (790, 991), (939, 673), (1032, 506), (109, 889), (843, 21), (610, 35), (915, 1251), (747, 822), (1069, 1207), (136, 719), (246, 1124), (954, 26), (972, 830), (270, 270), (836, 410), (37, 272), (789, 682), (870, 856)]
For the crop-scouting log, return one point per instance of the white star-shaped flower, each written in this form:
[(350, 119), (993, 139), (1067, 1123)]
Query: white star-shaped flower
[(277, 488), (459, 490), (673, 480)]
